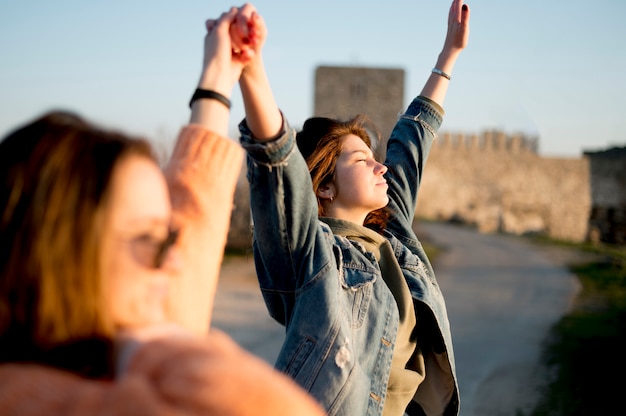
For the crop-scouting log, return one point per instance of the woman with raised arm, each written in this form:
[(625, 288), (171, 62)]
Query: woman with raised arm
[(108, 267), (337, 258)]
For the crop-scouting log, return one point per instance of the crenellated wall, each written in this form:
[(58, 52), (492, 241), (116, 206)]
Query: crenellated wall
[(489, 140), (499, 183)]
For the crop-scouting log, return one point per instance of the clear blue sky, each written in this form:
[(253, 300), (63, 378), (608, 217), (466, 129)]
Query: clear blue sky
[(555, 69)]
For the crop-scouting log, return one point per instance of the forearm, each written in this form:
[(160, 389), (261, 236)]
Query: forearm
[(220, 72), (436, 86), (202, 175), (262, 113), (209, 113)]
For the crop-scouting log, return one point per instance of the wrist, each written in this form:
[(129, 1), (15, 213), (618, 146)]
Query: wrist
[(215, 83), (200, 94), (253, 68), (218, 88), (446, 60)]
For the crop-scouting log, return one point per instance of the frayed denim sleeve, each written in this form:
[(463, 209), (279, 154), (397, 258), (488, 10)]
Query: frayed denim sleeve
[(269, 153), (407, 151), (290, 247), (426, 112)]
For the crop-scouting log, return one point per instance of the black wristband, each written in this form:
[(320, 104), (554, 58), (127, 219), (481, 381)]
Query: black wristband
[(200, 93)]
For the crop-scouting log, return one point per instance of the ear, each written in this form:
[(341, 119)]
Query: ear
[(326, 191)]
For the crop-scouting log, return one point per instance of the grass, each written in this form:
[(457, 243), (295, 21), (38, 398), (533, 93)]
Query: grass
[(585, 352)]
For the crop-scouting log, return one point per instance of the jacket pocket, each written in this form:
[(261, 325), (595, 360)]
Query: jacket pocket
[(358, 287), (357, 275)]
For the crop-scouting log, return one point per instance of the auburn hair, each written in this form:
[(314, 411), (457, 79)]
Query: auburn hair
[(320, 143)]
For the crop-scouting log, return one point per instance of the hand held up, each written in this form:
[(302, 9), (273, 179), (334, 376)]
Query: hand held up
[(457, 38)]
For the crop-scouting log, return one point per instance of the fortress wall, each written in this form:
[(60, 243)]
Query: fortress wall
[(499, 183)]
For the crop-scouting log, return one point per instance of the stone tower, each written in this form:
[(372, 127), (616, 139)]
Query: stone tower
[(343, 92)]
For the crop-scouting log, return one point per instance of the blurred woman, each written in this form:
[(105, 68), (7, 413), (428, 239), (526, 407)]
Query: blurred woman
[(108, 267)]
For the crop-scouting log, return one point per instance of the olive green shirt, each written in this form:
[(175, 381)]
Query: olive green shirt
[(407, 365)]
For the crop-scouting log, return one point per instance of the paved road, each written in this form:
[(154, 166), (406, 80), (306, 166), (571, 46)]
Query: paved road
[(503, 294)]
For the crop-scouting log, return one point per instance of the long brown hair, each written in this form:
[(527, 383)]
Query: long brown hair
[(320, 143), (55, 175)]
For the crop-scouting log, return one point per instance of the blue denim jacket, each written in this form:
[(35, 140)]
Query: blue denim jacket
[(340, 317)]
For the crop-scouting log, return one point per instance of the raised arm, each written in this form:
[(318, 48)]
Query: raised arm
[(411, 139), (262, 114), (457, 37), (202, 175), (221, 70)]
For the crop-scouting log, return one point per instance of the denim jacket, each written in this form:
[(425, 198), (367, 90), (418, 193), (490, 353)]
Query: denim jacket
[(341, 319)]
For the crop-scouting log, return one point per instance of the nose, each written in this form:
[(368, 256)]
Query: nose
[(381, 169)]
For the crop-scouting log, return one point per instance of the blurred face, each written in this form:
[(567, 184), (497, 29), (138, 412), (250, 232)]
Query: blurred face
[(137, 249), (359, 186)]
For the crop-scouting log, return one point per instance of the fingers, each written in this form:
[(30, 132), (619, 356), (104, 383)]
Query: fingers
[(455, 11), (465, 14), (243, 30), (237, 44), (243, 27), (460, 11), (244, 21), (210, 24), (221, 24), (225, 26), (227, 19), (257, 29)]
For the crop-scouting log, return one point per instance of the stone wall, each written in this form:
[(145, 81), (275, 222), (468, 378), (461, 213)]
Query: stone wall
[(499, 183)]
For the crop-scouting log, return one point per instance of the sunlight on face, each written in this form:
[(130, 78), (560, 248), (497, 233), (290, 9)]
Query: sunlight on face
[(137, 221), (359, 185)]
